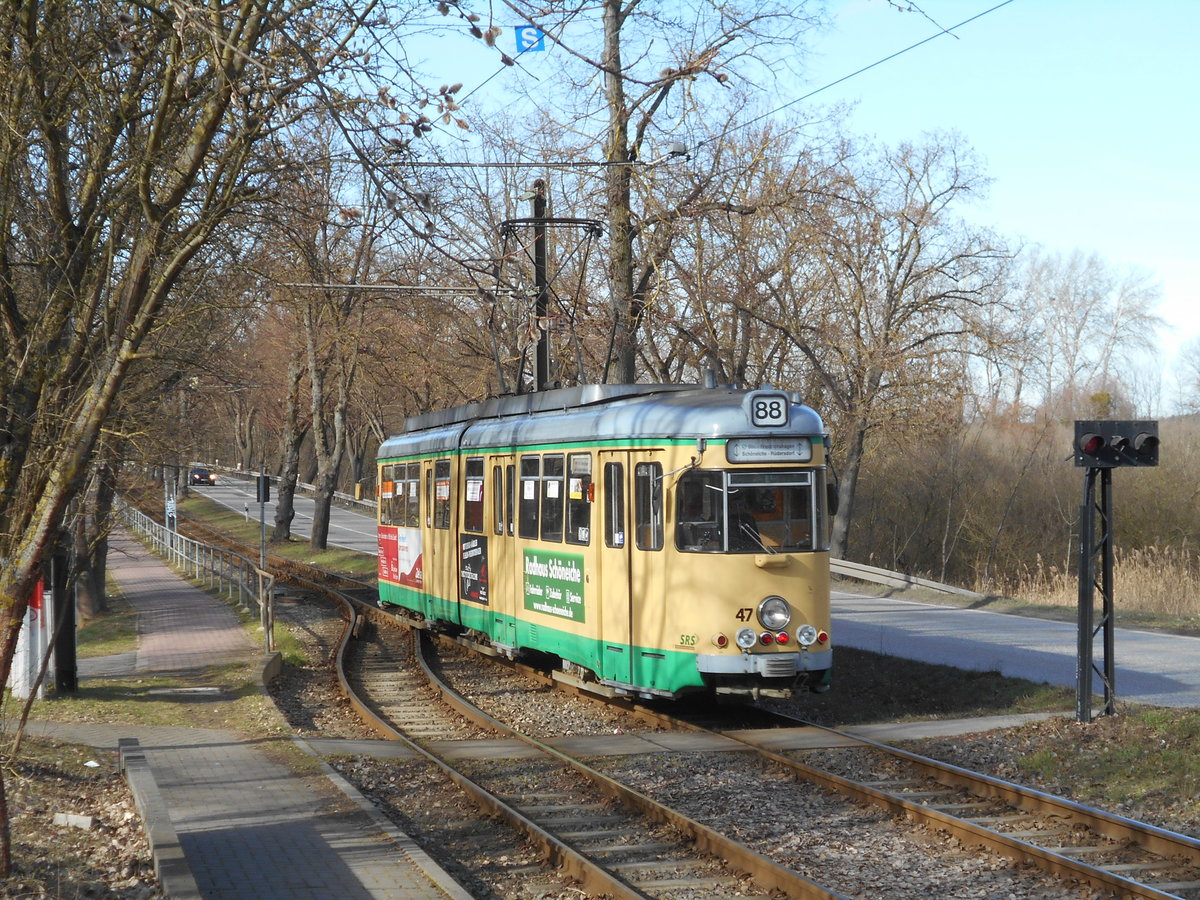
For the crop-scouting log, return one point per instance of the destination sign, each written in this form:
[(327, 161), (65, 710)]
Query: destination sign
[(757, 450)]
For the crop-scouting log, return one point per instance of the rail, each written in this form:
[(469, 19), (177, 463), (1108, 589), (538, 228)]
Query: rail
[(231, 574)]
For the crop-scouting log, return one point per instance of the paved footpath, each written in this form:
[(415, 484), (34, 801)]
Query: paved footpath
[(246, 826)]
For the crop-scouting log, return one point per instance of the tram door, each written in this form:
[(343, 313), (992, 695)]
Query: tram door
[(503, 567), (615, 572), (440, 551)]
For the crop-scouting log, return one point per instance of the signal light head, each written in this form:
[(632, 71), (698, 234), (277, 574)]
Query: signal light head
[(1105, 444)]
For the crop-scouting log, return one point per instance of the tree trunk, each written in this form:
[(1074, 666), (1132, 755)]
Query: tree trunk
[(244, 435), (322, 504), (290, 442), (839, 540), (285, 492), (617, 199), (325, 483), (89, 597)]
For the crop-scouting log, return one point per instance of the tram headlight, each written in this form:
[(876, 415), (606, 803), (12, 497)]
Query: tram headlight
[(806, 635), (746, 638), (774, 613)]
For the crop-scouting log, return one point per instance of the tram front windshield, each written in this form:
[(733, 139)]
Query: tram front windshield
[(774, 511)]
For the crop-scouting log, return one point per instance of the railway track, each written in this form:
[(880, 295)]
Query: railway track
[(1081, 843), (614, 841), (1112, 854), (619, 841), (634, 847)]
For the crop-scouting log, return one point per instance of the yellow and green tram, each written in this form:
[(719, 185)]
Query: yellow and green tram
[(658, 540)]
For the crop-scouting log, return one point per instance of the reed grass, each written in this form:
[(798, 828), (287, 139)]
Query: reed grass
[(1156, 580)]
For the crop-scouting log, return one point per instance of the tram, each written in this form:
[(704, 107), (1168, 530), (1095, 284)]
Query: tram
[(650, 540)]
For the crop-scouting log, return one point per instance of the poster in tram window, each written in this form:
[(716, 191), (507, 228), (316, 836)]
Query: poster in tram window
[(554, 584), (400, 556), (473, 570)]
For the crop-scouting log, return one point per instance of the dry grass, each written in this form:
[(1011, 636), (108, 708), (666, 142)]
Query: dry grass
[(1158, 581)]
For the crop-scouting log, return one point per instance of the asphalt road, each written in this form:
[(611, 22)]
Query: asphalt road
[(352, 530), (1150, 667)]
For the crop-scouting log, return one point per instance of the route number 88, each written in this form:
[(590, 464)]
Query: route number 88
[(769, 410)]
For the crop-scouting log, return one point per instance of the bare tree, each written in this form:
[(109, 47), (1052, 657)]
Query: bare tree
[(131, 134), (1189, 376), (880, 306), (625, 99), (1086, 323)]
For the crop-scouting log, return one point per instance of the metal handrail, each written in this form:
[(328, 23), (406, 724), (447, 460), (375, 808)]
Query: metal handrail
[(236, 576)]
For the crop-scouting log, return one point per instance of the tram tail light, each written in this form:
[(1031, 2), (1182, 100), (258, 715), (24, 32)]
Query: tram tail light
[(720, 640), (781, 638), (822, 637), (766, 638)]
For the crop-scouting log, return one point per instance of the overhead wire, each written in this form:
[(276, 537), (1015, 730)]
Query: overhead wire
[(940, 33), (571, 164)]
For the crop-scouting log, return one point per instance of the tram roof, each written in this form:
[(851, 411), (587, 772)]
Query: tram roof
[(597, 411)]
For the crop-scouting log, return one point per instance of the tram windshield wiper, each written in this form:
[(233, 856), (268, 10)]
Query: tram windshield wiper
[(752, 533)]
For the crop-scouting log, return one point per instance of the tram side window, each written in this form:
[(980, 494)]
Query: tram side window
[(579, 498), (647, 504), (552, 497), (429, 498), (527, 512), (412, 496), (386, 490), (473, 496), (700, 515), (441, 501), (614, 505), (406, 493)]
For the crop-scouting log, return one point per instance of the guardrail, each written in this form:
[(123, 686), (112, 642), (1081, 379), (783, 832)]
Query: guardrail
[(300, 485), (875, 575), (231, 574)]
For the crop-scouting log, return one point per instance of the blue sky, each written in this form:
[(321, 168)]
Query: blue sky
[(1086, 115)]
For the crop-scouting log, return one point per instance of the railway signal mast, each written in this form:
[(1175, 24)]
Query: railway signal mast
[(1101, 446)]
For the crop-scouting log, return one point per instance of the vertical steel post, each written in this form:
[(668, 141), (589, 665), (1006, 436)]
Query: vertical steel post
[(1087, 585), (1093, 544), (262, 516), (1108, 615), (66, 669), (542, 286)]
